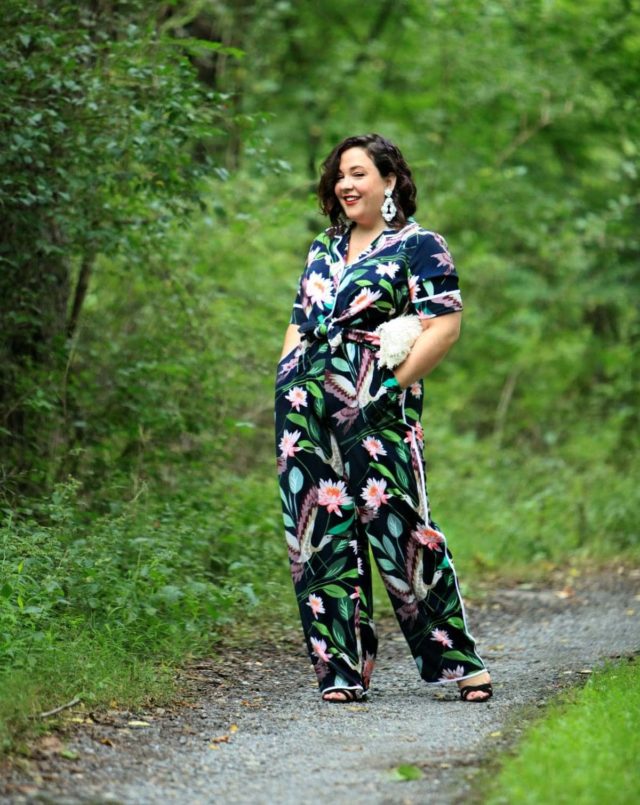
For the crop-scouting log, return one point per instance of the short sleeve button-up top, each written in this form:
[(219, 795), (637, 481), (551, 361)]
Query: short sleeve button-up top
[(406, 271)]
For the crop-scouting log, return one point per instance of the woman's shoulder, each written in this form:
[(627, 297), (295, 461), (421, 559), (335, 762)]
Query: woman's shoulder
[(423, 237)]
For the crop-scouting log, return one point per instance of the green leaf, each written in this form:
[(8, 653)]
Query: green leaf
[(395, 525), (406, 772), (334, 591), (341, 365), (383, 471), (456, 655), (296, 480), (338, 634), (298, 419), (402, 476), (342, 527)]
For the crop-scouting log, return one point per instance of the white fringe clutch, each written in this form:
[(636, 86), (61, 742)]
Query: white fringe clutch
[(397, 336)]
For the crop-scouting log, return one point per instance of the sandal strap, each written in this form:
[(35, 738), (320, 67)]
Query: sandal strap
[(484, 688)]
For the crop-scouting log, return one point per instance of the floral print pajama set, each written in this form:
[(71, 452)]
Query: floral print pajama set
[(350, 462)]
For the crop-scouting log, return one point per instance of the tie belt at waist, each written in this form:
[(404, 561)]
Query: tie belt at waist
[(334, 333)]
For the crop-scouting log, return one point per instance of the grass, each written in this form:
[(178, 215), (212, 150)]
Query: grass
[(585, 750)]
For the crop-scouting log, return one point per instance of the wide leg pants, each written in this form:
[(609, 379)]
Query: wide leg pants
[(352, 475)]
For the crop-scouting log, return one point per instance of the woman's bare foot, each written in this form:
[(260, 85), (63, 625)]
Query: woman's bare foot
[(342, 695), (476, 695)]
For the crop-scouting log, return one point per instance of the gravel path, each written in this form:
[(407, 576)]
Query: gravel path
[(253, 729)]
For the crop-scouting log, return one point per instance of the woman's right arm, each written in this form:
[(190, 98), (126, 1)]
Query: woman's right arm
[(291, 339)]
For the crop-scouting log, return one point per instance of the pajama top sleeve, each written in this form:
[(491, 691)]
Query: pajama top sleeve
[(433, 281)]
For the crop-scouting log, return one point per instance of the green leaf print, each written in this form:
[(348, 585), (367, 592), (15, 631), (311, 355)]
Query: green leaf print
[(387, 565), (315, 390), (334, 591), (388, 546), (338, 634), (403, 452), (386, 285), (457, 623), (306, 444), (411, 413), (288, 521), (383, 470), (296, 480), (342, 527), (341, 365), (314, 431), (344, 608), (455, 655), (402, 476), (320, 627), (333, 570), (363, 283), (375, 542), (395, 525), (392, 436), (298, 419)]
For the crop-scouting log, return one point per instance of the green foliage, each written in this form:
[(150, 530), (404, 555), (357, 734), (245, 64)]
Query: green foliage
[(154, 392), (101, 116), (585, 750)]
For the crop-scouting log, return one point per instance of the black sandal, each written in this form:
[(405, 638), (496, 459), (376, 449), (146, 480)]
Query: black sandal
[(467, 689), (348, 695)]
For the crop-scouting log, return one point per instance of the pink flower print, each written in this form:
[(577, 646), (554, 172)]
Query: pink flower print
[(317, 605), (333, 494), (416, 431), (440, 636), (445, 261), (318, 289), (388, 269), (374, 447), (297, 396), (416, 390), (413, 288), (288, 447), (428, 537), (363, 300), (451, 673), (374, 493), (319, 648), (356, 593)]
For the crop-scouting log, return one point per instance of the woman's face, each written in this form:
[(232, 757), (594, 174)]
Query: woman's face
[(360, 188)]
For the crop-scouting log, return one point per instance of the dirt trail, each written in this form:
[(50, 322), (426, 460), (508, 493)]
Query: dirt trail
[(253, 729)]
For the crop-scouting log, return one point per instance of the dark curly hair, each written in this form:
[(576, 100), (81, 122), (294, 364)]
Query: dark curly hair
[(387, 159)]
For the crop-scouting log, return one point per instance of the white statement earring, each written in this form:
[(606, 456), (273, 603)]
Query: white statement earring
[(388, 209)]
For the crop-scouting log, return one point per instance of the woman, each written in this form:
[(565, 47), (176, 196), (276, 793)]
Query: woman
[(348, 429)]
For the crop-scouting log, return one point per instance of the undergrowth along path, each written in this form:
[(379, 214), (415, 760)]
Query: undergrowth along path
[(252, 728)]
